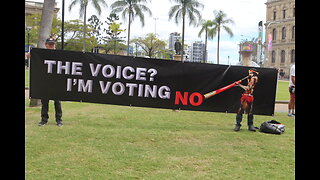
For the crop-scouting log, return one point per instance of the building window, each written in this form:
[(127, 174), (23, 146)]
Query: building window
[(274, 15), (284, 13), (294, 12), (284, 33), (293, 56), (274, 34), (273, 57), (293, 31), (283, 56)]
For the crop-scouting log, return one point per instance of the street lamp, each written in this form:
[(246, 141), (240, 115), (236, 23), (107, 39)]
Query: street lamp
[(28, 30), (266, 38), (155, 26)]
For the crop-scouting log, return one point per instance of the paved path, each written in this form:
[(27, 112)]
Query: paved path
[(280, 107)]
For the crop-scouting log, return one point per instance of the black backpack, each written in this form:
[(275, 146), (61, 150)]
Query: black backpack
[(273, 127)]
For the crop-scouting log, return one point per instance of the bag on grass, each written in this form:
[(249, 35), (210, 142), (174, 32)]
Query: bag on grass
[(273, 127)]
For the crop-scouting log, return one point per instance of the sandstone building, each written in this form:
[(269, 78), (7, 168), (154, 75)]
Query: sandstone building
[(280, 35)]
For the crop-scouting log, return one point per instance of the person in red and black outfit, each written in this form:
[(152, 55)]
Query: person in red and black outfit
[(247, 101)]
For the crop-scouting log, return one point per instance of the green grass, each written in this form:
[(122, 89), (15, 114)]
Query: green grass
[(282, 91), (26, 78), (117, 142)]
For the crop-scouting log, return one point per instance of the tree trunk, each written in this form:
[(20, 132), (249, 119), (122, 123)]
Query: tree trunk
[(205, 46), (46, 22), (84, 28), (218, 46), (128, 42), (44, 33), (182, 48)]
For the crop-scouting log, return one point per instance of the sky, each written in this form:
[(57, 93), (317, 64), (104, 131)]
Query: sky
[(245, 13)]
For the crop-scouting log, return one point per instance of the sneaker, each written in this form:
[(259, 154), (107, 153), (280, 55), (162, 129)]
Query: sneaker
[(59, 124), (42, 123), (290, 115)]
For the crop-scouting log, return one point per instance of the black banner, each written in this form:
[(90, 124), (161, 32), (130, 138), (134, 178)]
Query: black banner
[(146, 82)]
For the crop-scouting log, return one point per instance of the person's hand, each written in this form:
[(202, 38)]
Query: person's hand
[(28, 55)]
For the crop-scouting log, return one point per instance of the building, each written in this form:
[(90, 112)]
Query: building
[(172, 39), (32, 7), (196, 52), (280, 35)]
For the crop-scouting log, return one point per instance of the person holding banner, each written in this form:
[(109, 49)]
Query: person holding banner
[(50, 44)]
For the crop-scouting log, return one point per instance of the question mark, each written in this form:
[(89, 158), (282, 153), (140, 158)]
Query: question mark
[(153, 73)]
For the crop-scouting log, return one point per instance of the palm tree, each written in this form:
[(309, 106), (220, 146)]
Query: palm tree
[(83, 12), (209, 33), (131, 8), (221, 20), (181, 10)]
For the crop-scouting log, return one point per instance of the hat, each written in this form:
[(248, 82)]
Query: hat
[(246, 48), (50, 40), (253, 70)]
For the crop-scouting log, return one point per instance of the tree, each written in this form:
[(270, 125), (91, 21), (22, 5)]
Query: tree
[(181, 10), (83, 12), (131, 9), (44, 32), (113, 32), (209, 33), (96, 24), (150, 44), (221, 20), (34, 21), (74, 36)]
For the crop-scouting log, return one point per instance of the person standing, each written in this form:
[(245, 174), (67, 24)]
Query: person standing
[(247, 97), (50, 44), (246, 101), (292, 85)]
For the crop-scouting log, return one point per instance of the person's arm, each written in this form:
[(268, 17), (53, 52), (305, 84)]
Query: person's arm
[(243, 87), (293, 79)]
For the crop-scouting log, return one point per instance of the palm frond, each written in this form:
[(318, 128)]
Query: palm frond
[(120, 3), (228, 30), (173, 10)]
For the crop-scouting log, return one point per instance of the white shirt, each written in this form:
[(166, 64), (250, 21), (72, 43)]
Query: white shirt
[(292, 73), (251, 63)]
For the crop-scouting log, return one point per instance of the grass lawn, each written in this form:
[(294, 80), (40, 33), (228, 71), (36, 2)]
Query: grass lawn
[(26, 78), (101, 141), (282, 91)]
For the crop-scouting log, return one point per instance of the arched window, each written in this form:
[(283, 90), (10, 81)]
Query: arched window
[(293, 32), (274, 34), (273, 57), (284, 33), (293, 56), (283, 56)]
